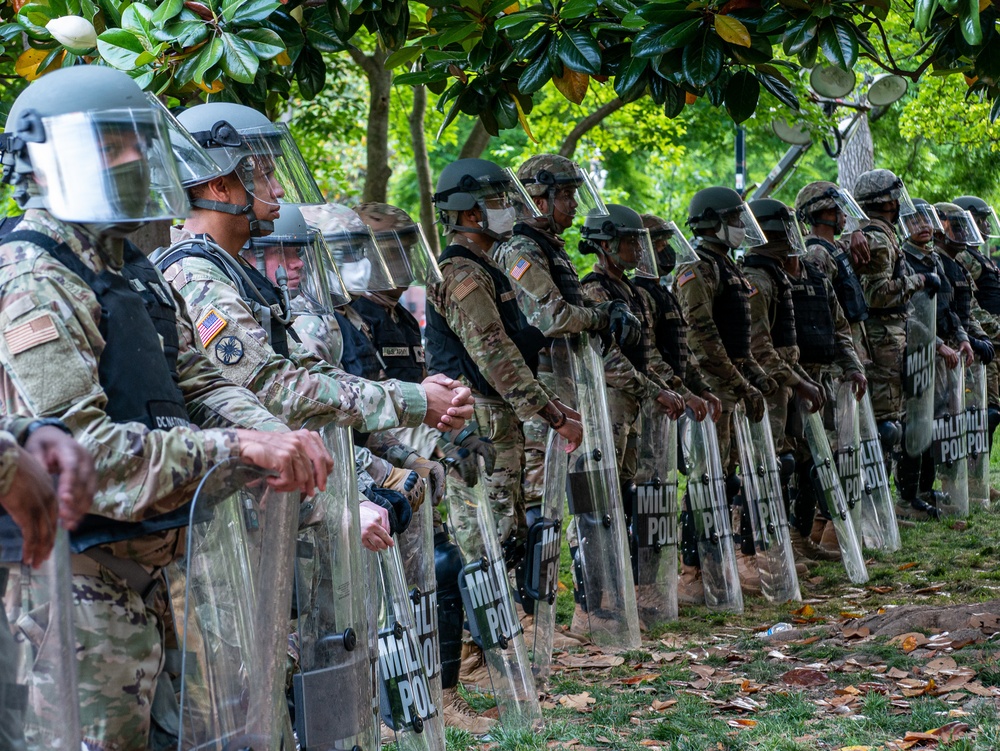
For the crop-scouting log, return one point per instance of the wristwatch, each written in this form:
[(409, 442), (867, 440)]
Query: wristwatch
[(42, 422)]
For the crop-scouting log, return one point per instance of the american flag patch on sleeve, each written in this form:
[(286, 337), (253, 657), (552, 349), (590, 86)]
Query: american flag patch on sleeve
[(210, 325), (27, 335), (464, 288), (518, 269), (685, 277)]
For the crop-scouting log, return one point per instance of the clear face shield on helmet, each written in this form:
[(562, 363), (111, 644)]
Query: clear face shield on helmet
[(899, 193), (670, 247), (960, 228), (578, 189), (277, 158), (194, 164), (854, 217), (920, 225), (123, 157), (634, 252), (504, 204), (408, 256), (740, 229), (303, 265), (987, 222), (793, 232), (352, 247)]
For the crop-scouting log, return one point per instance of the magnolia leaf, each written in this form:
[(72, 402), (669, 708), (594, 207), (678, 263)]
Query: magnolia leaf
[(732, 31), (573, 85)]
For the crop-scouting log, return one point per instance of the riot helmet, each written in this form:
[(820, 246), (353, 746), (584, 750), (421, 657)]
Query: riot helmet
[(84, 143), (622, 237), (402, 244), (821, 196), (919, 226), (982, 212), (468, 184), (670, 247), (959, 225), (779, 225), (722, 214), (352, 246), (878, 187), (561, 180)]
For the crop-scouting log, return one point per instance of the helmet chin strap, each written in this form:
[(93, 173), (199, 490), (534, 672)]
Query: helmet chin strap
[(258, 227)]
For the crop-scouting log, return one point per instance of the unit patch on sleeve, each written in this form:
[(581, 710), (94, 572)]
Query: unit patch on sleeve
[(31, 334), (229, 350), (518, 269), (210, 326)]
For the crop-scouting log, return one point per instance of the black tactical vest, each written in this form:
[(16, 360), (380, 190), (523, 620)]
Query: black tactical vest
[(396, 337), (668, 325), (277, 332), (850, 295), (782, 311), (815, 330), (359, 357), (916, 263), (448, 354), (987, 289), (731, 308), (137, 372), (627, 293), (961, 288)]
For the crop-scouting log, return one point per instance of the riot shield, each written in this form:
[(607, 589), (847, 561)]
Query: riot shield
[(950, 443), (39, 703), (828, 484), (848, 455), (334, 688), (542, 574), (416, 547), (918, 372), (237, 576), (706, 501), (654, 517), (406, 705), (878, 515), (977, 435), (593, 495), (779, 581), (493, 622)]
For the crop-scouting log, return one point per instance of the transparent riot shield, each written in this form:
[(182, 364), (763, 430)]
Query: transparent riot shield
[(406, 705), (779, 581), (849, 469), (593, 495), (39, 704), (878, 515), (706, 501), (334, 690), (828, 484), (493, 622), (918, 372), (950, 442), (237, 574), (542, 575), (978, 445), (416, 546), (654, 517)]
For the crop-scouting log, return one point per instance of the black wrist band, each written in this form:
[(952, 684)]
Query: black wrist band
[(42, 422)]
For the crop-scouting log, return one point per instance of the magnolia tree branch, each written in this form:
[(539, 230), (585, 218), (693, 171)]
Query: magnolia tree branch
[(592, 120)]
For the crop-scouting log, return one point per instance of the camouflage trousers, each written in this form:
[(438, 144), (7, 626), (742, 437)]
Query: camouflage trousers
[(887, 340), (625, 426), (504, 490), (993, 384)]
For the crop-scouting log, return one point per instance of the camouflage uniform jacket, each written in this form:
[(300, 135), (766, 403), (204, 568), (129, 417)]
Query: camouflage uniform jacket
[(693, 381), (465, 298), (320, 335), (11, 436), (781, 363), (141, 473), (295, 388), (697, 287), (886, 285)]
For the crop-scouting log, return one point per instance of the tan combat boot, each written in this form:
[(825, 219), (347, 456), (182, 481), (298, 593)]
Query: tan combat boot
[(807, 551), (458, 714), (473, 673), (746, 567), (819, 524), (690, 590), (828, 542)]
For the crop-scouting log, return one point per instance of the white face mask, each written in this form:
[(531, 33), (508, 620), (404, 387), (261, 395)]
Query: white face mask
[(501, 221), (731, 236), (356, 275)]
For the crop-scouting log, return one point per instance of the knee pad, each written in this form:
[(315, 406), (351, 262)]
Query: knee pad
[(992, 418), (734, 484), (890, 434), (786, 467)]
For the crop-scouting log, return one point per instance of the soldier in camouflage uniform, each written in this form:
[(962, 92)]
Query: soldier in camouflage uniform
[(118, 362), (986, 280), (887, 285)]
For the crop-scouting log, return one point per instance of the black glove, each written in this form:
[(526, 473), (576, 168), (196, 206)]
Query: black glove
[(932, 283), (983, 349), (400, 513), (462, 450), (624, 327)]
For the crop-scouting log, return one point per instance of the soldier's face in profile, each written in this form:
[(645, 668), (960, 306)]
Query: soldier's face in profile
[(288, 257), (564, 207)]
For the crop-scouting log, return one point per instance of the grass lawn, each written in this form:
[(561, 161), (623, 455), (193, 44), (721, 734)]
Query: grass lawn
[(709, 682)]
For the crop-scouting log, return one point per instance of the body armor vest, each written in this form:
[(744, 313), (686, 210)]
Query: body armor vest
[(137, 372), (359, 357), (623, 289), (257, 290), (846, 285), (448, 353), (987, 289), (782, 310), (560, 266), (899, 270), (668, 325), (731, 307), (815, 330), (397, 339), (917, 263), (961, 288)]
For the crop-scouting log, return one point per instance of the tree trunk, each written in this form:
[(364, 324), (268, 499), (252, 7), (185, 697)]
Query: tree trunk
[(377, 171), (592, 120), (476, 143), (857, 155), (422, 164)]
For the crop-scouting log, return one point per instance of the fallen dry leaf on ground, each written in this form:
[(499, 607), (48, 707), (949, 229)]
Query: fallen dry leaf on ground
[(804, 677), (579, 702)]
